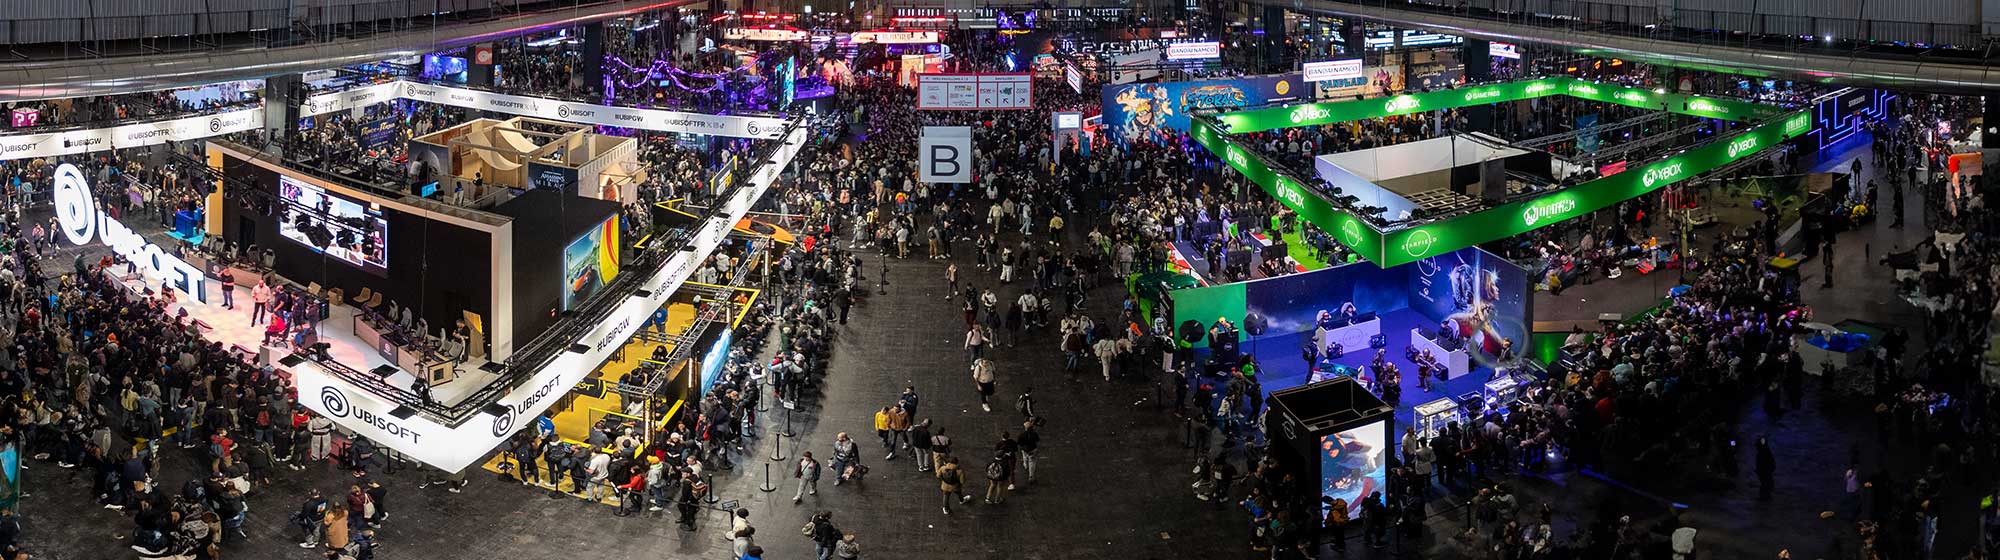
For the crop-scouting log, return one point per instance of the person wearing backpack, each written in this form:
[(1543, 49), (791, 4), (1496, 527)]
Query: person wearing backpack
[(1336, 524), (951, 482), (824, 535), (940, 445), (997, 472)]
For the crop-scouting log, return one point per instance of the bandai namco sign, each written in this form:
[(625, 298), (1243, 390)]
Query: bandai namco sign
[(80, 220)]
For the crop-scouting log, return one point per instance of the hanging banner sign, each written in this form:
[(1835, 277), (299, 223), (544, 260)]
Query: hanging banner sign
[(69, 142), (1194, 51), (553, 109), (895, 37), (975, 91), (1333, 70), (1503, 50), (764, 34)]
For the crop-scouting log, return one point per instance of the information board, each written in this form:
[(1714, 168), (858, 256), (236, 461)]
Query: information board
[(965, 92)]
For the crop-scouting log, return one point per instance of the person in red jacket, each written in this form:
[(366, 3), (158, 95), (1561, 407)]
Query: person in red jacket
[(630, 492)]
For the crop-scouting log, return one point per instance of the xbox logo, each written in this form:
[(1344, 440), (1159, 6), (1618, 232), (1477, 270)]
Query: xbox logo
[(76, 212), (1659, 173), (1742, 145), (1306, 113), (1291, 194), (333, 401), (1403, 103), (1419, 243)]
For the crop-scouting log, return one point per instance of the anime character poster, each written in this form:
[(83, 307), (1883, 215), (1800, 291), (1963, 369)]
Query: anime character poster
[(1151, 111), (1354, 464)]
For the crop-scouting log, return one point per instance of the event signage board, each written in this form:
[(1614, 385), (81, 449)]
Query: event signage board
[(1333, 70), (69, 142), (1259, 120), (967, 92), (454, 448), (895, 37), (944, 155), (80, 220), (765, 34), (1203, 50), (1135, 66), (736, 126), (1072, 76), (1503, 50)]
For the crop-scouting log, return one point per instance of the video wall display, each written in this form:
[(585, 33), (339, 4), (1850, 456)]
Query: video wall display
[(1475, 297), (589, 263), (336, 226), (1353, 464)]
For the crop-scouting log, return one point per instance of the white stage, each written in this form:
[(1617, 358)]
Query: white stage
[(232, 328)]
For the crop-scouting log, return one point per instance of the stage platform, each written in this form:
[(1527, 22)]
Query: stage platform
[(232, 328), (1284, 367)]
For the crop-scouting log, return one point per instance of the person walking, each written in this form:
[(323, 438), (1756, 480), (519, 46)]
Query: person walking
[(1029, 440), (899, 430), (982, 380), (951, 483), (310, 518), (998, 471), (807, 471), (846, 459), (824, 535)]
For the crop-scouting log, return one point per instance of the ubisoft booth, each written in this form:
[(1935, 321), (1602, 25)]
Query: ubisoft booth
[(435, 329)]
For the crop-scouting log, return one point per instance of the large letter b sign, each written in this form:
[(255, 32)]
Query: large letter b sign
[(945, 155)]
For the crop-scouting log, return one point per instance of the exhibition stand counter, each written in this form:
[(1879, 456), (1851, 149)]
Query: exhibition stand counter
[(1456, 361)]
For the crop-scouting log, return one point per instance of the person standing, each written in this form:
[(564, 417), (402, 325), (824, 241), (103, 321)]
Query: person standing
[(899, 430), (951, 280), (1374, 518), (260, 302), (1336, 524), (983, 382), (321, 429), (600, 472), (228, 290), (1767, 465), (920, 443), (807, 471)]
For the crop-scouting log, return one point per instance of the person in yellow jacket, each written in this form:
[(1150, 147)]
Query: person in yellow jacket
[(882, 429)]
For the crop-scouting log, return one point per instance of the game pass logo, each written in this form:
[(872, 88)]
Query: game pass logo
[(1538, 210), (1350, 232)]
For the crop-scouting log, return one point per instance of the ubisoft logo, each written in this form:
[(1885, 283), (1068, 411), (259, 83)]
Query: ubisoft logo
[(334, 401), (76, 213)]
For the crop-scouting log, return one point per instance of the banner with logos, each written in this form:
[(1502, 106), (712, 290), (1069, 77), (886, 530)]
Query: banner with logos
[(1332, 70), (1135, 66), (69, 142), (454, 448), (1143, 111), (553, 109)]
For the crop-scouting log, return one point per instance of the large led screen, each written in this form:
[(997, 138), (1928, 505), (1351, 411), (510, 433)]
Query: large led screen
[(590, 262), (334, 225), (1353, 464), (1481, 296)]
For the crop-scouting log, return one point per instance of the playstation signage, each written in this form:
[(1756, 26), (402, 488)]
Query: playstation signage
[(81, 222)]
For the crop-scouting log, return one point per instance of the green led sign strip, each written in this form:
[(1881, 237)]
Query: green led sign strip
[(1413, 244), (1273, 118)]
